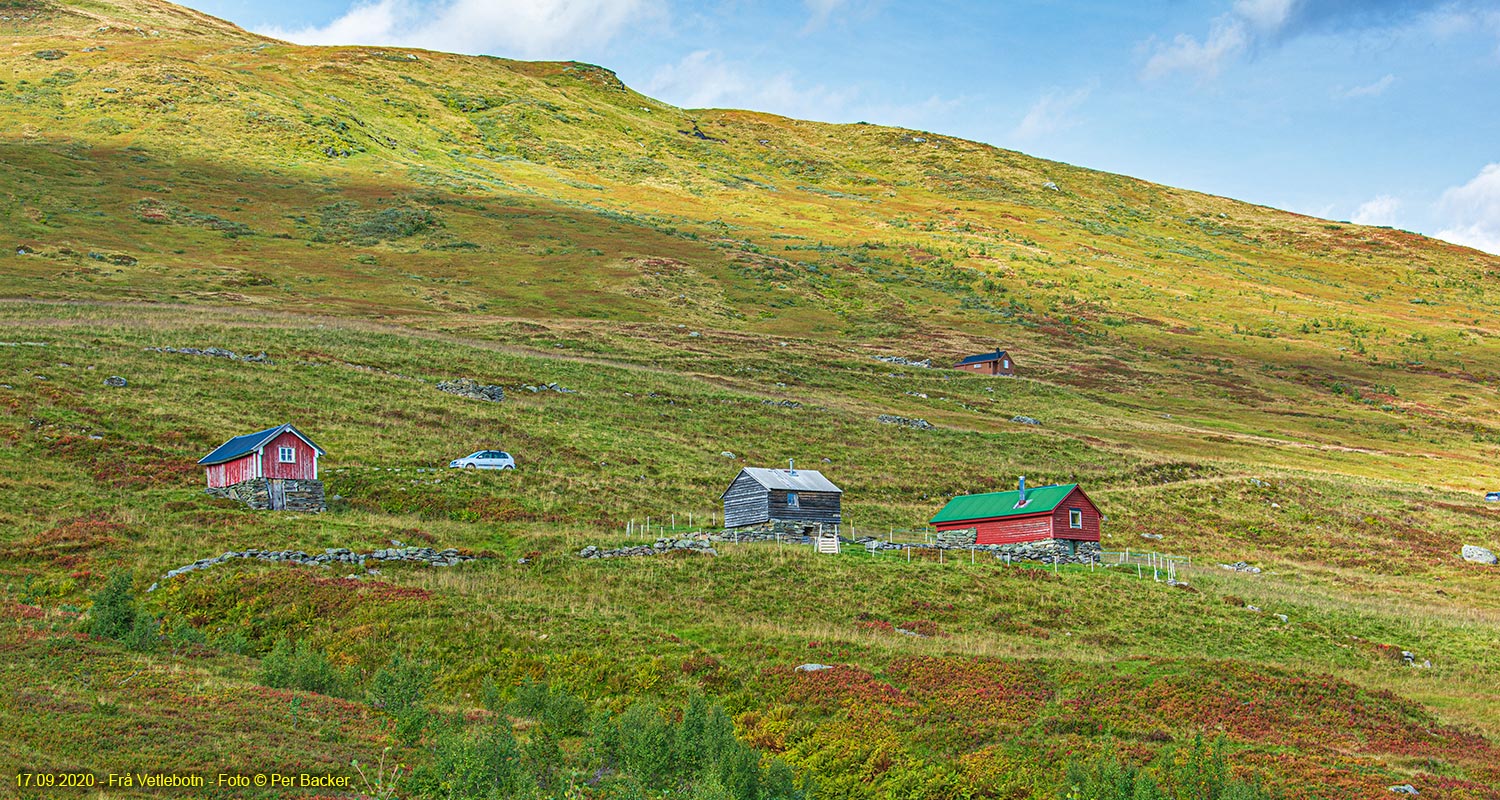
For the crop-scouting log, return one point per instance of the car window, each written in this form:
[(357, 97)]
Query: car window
[(479, 454), (501, 454)]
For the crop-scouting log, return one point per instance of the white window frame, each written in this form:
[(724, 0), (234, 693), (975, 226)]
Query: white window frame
[(1075, 518), (286, 455), (792, 501)]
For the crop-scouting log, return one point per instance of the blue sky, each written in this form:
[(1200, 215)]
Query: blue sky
[(1378, 111)]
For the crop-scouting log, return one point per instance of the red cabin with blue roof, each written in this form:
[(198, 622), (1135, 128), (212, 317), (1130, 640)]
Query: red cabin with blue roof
[(279, 453)]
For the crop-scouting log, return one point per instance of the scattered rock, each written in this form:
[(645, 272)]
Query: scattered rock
[(1051, 187), (915, 424), (49, 55), (1151, 536), (1024, 420), (1255, 609), (781, 403), (116, 381), (1281, 617), (1240, 566), (1477, 554), (466, 387), (812, 667), (549, 387), (215, 352), (922, 395), (726, 454), (1404, 788), (925, 363)]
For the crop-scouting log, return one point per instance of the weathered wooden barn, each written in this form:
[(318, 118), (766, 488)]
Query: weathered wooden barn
[(799, 496), (1063, 513), (276, 468), (996, 363)]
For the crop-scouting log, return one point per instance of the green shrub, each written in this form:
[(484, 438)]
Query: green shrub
[(399, 688), (558, 709), (113, 615), (144, 635), (482, 764), (1199, 772), (299, 666)]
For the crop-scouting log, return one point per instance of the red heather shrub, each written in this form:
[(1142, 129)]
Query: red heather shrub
[(843, 686), (877, 626), (922, 626), (23, 611), (977, 698)]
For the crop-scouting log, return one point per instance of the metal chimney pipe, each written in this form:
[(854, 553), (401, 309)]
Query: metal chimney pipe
[(1022, 501), (791, 466)]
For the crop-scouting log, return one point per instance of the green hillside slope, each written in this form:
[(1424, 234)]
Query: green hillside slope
[(1315, 398)]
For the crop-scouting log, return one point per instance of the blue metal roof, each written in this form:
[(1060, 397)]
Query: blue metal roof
[(250, 442), (983, 357)]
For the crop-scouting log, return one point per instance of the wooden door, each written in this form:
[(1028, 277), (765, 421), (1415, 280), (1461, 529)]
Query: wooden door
[(278, 494)]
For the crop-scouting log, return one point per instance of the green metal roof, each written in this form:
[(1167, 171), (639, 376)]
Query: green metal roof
[(1003, 504)]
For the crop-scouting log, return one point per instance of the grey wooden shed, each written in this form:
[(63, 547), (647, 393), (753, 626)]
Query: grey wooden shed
[(758, 496)]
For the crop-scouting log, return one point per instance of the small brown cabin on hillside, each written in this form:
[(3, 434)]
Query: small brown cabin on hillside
[(758, 496), (996, 363)]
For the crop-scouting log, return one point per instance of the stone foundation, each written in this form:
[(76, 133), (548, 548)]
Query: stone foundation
[(963, 537), (301, 495), (1046, 551), (770, 531)]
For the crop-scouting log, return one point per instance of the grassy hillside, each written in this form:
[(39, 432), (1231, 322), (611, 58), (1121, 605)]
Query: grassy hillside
[(1315, 398)]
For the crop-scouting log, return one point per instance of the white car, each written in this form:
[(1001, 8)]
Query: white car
[(485, 459)]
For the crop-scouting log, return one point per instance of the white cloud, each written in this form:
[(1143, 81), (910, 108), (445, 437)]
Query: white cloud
[(1052, 113), (1377, 211), (1252, 25), (703, 79), (1227, 39), (520, 28), (819, 12), (1472, 212), (1268, 15), (1375, 89)]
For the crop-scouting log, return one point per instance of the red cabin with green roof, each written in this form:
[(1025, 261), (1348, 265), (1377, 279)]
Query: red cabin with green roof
[(1025, 515)]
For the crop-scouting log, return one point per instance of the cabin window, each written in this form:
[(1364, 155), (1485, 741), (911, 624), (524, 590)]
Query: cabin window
[(791, 500), (1007, 363), (286, 455), (1075, 518)]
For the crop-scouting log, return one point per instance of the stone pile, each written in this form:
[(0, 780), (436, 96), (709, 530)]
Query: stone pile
[(915, 424), (215, 352), (661, 547), (1240, 566), (465, 387), (116, 381), (329, 557), (781, 403), (1021, 419), (925, 363)]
